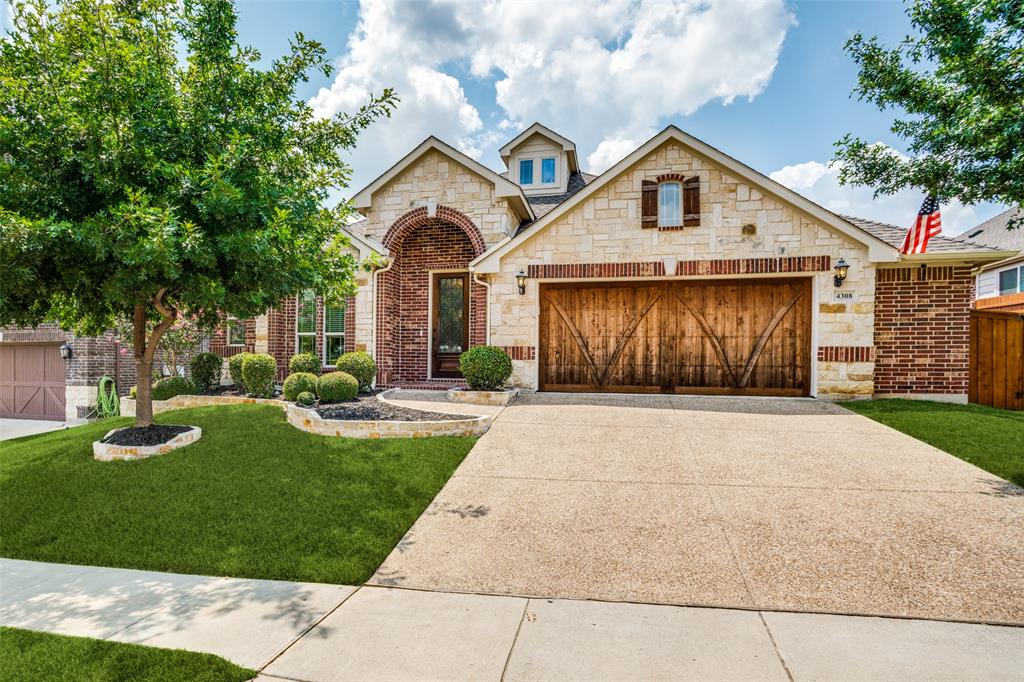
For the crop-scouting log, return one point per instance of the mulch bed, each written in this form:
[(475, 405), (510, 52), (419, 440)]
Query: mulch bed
[(158, 434), (369, 408)]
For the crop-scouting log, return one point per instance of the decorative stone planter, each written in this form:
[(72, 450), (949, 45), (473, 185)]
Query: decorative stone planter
[(182, 401), (309, 420), (467, 395), (107, 452)]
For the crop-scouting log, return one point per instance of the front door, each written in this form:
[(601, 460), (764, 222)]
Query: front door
[(450, 322)]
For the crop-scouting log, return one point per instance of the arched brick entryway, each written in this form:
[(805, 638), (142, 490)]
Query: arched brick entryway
[(421, 244)]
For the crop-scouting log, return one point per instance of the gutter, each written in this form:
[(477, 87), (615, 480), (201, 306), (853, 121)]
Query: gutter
[(487, 307)]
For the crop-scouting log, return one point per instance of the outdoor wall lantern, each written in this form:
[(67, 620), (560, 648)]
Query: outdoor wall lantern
[(842, 268), (521, 281), (65, 351)]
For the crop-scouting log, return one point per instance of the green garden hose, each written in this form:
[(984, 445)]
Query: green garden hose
[(107, 404)]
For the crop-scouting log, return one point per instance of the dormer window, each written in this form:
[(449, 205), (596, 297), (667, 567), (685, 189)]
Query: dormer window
[(526, 172), (547, 170), (670, 202)]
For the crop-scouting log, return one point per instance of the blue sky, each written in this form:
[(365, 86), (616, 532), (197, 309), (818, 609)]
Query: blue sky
[(765, 81)]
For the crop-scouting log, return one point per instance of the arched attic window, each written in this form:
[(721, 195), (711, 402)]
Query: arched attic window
[(671, 202)]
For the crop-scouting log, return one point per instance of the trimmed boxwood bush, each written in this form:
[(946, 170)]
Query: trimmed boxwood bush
[(132, 391), (165, 389), (298, 382), (259, 371), (205, 370), (485, 368), (304, 362), (334, 387), (235, 368), (360, 365), (305, 399)]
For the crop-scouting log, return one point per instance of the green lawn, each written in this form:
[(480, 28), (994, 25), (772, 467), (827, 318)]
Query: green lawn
[(987, 437), (255, 498), (27, 656)]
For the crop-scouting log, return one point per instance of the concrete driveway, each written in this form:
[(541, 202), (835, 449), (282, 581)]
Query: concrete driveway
[(16, 428), (787, 505)]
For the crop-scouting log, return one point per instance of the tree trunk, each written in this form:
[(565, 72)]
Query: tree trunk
[(144, 356)]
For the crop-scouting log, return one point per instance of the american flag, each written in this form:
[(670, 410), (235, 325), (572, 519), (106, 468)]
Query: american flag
[(928, 224)]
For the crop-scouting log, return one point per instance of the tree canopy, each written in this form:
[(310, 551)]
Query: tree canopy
[(958, 88), (150, 169)]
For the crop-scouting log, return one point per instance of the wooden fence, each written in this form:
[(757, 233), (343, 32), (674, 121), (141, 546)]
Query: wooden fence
[(997, 359)]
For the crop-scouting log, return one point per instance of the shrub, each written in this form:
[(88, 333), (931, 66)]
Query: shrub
[(205, 370), (165, 389), (485, 368), (305, 399), (235, 368), (298, 382), (258, 374), (304, 362), (360, 365), (132, 391), (334, 387)]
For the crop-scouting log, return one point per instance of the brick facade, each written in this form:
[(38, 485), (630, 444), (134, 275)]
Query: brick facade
[(922, 330), (687, 268), (424, 245)]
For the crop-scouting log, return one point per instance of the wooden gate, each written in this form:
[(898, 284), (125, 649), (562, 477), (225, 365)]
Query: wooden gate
[(997, 359), (747, 337)]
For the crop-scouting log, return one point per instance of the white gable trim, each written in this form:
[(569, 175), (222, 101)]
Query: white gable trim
[(366, 246), (503, 188), (878, 250)]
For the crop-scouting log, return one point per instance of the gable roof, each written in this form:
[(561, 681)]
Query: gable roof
[(503, 187), (878, 249), (993, 232), (939, 247), (568, 146)]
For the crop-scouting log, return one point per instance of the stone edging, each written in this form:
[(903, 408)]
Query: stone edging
[(108, 452), (465, 395), (179, 402), (312, 422)]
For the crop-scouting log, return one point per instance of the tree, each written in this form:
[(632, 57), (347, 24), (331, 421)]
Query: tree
[(960, 87), (180, 339), (150, 171)]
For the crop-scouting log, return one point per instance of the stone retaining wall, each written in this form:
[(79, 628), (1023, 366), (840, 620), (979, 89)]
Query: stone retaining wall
[(309, 420)]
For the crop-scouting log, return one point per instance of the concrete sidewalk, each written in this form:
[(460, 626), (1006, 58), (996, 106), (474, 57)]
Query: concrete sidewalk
[(303, 631)]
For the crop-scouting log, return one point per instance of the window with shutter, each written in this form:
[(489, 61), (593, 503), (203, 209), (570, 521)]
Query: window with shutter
[(649, 204)]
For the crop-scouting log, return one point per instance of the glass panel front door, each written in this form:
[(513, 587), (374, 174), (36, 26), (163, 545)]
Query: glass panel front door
[(451, 317)]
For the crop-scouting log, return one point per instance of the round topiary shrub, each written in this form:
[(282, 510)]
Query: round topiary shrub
[(235, 368), (334, 387), (360, 365), (485, 368), (298, 382), (304, 362), (165, 389), (132, 392), (305, 399), (205, 370), (259, 371)]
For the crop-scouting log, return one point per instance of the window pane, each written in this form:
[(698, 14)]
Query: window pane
[(236, 333), (451, 304), (1020, 281), (335, 347), (669, 209), (334, 319), (1008, 282), (526, 172), (547, 170), (307, 344), (307, 313)]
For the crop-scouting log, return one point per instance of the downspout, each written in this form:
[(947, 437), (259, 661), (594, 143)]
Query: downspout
[(373, 289), (487, 307)]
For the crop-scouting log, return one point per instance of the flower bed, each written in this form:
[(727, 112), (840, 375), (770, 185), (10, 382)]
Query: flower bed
[(106, 451)]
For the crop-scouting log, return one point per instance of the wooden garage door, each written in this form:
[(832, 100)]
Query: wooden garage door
[(31, 381), (729, 337)]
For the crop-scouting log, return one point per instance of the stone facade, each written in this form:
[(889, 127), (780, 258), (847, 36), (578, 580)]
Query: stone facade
[(605, 228)]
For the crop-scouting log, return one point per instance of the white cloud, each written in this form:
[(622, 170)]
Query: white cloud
[(819, 182), (608, 153), (602, 74)]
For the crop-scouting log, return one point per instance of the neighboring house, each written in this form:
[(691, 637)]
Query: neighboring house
[(1000, 285), (679, 269), (36, 382)]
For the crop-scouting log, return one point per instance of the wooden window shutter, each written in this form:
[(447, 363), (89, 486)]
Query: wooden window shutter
[(649, 204), (691, 202)]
